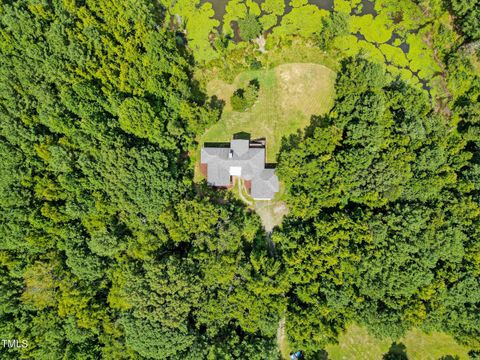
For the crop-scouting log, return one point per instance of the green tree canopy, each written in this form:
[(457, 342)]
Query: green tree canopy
[(109, 250), (383, 221), (249, 27)]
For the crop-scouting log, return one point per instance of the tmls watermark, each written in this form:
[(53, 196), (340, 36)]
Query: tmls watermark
[(13, 343)]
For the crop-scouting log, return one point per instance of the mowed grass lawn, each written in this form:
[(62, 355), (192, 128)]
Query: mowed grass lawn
[(357, 344), (289, 95)]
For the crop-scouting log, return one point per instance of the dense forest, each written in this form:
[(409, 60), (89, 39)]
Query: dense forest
[(107, 251), (384, 224), (110, 250)]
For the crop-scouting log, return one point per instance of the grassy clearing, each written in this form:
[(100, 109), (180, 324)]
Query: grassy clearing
[(296, 50), (289, 95), (432, 346), (356, 343)]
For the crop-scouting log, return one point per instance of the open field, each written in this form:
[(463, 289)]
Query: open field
[(289, 95), (432, 346), (357, 344)]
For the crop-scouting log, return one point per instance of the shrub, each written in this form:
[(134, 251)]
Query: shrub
[(238, 101), (255, 64), (243, 99), (333, 26), (249, 27)]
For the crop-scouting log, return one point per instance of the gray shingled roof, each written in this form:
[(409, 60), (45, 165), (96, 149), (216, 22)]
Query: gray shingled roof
[(239, 146), (251, 160)]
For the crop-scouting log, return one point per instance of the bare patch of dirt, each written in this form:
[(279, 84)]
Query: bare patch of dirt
[(271, 213), (260, 41)]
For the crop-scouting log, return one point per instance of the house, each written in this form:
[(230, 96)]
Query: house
[(243, 159)]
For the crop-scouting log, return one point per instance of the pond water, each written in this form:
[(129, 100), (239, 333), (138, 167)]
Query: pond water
[(360, 36), (236, 32), (220, 5), (219, 8), (364, 8), (321, 4), (403, 45), (405, 48)]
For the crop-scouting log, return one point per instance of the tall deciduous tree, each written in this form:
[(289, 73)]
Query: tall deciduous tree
[(384, 218), (110, 252)]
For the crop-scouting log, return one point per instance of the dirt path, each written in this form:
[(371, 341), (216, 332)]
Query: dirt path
[(240, 193), (282, 340), (442, 104)]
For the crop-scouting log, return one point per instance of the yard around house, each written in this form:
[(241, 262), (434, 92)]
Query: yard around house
[(289, 95)]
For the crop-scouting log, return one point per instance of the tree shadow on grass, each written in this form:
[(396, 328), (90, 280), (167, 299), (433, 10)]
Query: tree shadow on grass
[(217, 104), (318, 355), (255, 83), (396, 352), (474, 354), (242, 135), (293, 140)]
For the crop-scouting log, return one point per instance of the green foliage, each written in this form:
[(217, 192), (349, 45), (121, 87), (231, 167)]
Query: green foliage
[(110, 251), (249, 27), (333, 26), (304, 20), (276, 7), (375, 29), (40, 285), (234, 10), (394, 55), (107, 251), (271, 9), (419, 63), (243, 99), (383, 220), (253, 7), (136, 117), (410, 39), (467, 15), (198, 22), (268, 21)]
